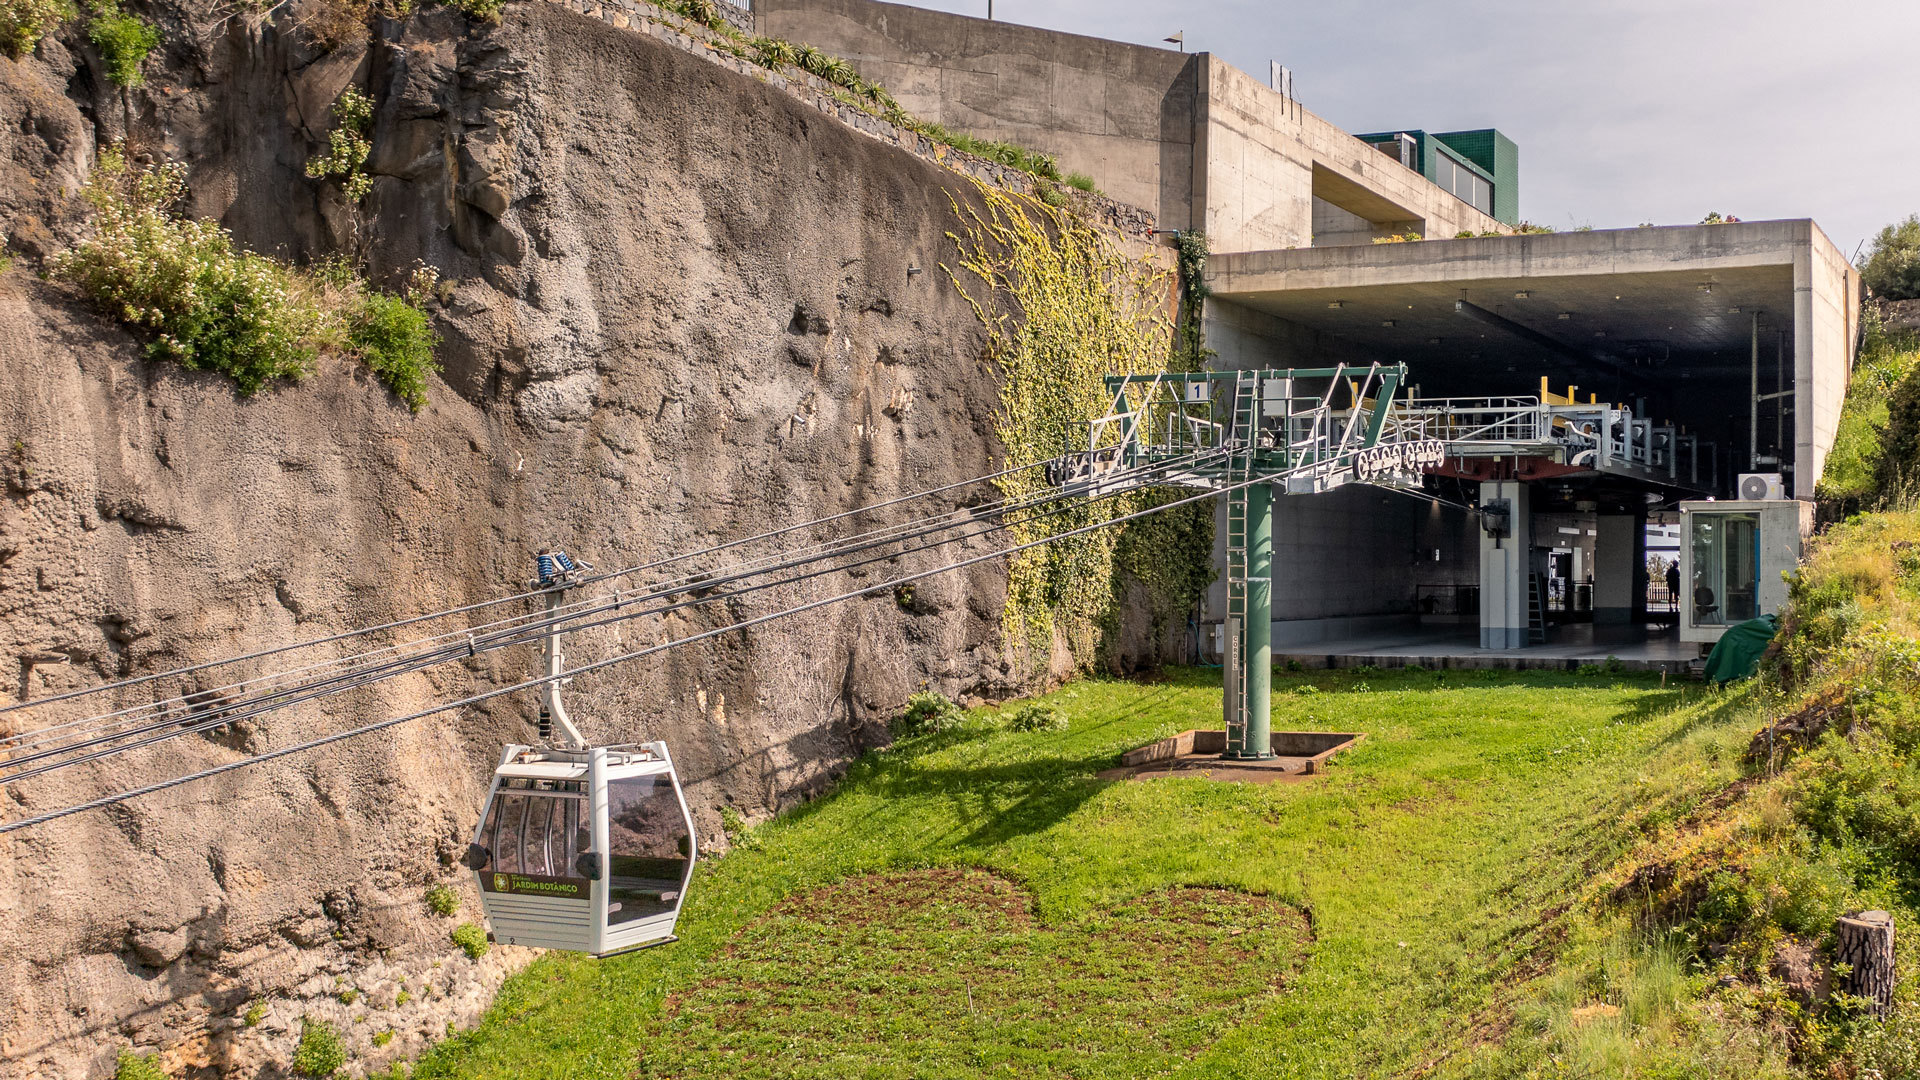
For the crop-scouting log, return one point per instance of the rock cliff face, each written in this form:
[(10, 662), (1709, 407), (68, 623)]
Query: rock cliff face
[(682, 310)]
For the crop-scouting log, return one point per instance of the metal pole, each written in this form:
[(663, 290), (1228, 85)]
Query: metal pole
[(1780, 401), (1753, 422), (1257, 634)]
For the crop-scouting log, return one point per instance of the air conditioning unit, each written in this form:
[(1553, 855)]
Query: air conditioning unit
[(1755, 486)]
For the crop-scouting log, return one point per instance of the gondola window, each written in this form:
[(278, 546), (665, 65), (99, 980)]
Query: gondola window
[(650, 847)]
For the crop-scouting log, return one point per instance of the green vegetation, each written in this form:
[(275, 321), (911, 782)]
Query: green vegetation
[(24, 22), (1541, 875), (213, 307), (1758, 852), (471, 939), (132, 1066), (320, 1053), (382, 1038), (1495, 795), (1190, 352), (208, 305), (442, 900), (124, 41), (1037, 716), (484, 10), (1891, 267), (1714, 217), (256, 1012), (1875, 460), (401, 997), (1037, 1001), (348, 996), (1081, 181), (930, 711), (348, 144), (739, 833), (1064, 307), (396, 341), (1399, 238)]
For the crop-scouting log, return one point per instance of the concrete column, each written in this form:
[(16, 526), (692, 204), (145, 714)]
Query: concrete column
[(1504, 567), (1258, 635), (1619, 569)]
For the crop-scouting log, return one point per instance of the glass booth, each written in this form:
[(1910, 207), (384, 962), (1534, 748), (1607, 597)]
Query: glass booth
[(1734, 556)]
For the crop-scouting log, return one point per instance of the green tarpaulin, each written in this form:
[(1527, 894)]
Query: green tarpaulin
[(1737, 654)]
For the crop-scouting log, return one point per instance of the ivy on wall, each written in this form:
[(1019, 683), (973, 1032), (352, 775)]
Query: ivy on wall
[(1190, 352), (1063, 307)]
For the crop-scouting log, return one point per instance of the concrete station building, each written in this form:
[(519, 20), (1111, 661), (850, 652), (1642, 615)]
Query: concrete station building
[(1741, 335)]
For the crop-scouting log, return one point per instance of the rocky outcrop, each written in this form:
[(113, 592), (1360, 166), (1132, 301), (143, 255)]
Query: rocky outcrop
[(682, 306)]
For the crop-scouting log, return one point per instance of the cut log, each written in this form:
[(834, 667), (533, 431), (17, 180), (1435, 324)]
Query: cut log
[(1864, 943)]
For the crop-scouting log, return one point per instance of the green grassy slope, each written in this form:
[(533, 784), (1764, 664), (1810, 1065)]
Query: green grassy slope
[(1436, 862)]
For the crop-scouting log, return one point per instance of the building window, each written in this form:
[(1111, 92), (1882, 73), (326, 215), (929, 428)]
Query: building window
[(1465, 184), (1726, 568)]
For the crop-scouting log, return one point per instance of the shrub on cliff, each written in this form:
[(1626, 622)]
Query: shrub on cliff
[(320, 1053), (214, 307), (124, 41), (348, 145), (132, 1066), (1892, 265), (208, 305), (471, 939), (24, 22)]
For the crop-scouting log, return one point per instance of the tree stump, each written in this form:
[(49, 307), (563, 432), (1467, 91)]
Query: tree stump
[(1864, 943)]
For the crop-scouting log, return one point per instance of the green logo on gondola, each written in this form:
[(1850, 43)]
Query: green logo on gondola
[(529, 883)]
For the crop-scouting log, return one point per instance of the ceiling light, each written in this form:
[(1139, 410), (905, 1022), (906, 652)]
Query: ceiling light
[(1386, 322), (1733, 311), (1522, 295), (1336, 305), (1566, 315)]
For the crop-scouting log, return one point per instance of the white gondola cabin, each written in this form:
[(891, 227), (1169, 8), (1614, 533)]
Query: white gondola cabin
[(588, 850), (580, 847)]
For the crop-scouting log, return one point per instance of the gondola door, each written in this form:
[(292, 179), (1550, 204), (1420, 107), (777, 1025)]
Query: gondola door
[(641, 823)]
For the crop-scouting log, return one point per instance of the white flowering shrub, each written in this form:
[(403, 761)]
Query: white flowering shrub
[(24, 22), (348, 145), (208, 304), (212, 306)]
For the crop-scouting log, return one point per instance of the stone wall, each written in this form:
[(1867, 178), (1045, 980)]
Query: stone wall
[(1130, 220)]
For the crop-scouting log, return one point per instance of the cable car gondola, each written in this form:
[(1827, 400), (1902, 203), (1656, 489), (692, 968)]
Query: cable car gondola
[(580, 847)]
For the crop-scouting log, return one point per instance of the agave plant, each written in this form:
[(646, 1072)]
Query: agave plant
[(775, 53), (840, 73)]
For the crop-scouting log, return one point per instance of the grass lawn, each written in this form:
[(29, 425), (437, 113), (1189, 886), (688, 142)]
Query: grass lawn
[(977, 903)]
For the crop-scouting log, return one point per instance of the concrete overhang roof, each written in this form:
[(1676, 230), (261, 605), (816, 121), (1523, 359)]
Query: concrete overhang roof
[(1615, 300)]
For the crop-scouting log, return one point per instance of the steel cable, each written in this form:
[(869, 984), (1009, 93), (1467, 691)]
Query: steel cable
[(249, 707), (488, 695), (41, 736), (346, 634)]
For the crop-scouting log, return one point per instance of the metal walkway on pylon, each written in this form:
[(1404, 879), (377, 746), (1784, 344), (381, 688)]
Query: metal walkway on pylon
[(1311, 430)]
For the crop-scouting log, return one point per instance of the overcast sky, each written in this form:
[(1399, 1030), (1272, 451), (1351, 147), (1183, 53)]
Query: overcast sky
[(1626, 111)]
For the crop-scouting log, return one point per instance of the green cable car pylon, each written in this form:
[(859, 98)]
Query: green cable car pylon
[(1301, 430)]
